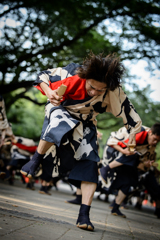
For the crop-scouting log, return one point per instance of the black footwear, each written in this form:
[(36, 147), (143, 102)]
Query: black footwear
[(116, 212), (8, 175), (77, 200), (2, 175), (83, 220), (111, 205), (30, 168), (123, 206), (43, 190), (30, 186), (49, 187)]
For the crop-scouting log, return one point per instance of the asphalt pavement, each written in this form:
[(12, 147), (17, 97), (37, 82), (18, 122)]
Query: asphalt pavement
[(27, 214)]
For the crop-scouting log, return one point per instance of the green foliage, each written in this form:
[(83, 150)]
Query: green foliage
[(41, 35), (158, 161), (26, 117), (148, 110)]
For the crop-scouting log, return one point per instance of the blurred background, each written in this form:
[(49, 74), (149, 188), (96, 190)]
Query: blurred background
[(36, 35)]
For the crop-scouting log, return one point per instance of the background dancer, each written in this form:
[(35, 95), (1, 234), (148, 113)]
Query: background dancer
[(129, 165)]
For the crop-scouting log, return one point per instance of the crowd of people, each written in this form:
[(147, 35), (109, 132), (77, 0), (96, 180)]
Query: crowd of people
[(68, 146)]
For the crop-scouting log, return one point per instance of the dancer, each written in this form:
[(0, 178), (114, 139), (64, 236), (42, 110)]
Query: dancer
[(21, 152), (5, 126), (69, 129), (5, 132), (121, 168)]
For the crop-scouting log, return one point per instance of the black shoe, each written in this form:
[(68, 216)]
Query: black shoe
[(49, 187), (2, 175), (8, 175), (43, 190), (111, 205), (83, 220), (123, 206), (29, 169), (77, 200), (117, 212), (30, 186)]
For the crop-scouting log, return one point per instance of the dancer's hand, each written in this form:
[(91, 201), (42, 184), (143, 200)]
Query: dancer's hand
[(149, 163), (53, 97), (132, 143), (127, 152)]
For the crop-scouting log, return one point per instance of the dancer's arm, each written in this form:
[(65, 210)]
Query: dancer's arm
[(51, 94), (124, 151)]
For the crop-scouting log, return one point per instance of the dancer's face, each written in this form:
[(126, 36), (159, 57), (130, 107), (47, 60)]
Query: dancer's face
[(153, 139), (95, 88)]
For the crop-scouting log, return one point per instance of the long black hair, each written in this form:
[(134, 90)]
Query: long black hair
[(107, 69)]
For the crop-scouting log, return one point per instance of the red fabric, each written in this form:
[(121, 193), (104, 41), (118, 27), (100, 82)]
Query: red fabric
[(140, 138), (76, 89), (30, 149)]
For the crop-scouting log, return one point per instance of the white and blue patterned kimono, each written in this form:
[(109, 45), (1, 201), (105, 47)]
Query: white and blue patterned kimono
[(72, 125)]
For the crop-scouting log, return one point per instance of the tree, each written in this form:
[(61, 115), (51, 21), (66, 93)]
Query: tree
[(37, 34)]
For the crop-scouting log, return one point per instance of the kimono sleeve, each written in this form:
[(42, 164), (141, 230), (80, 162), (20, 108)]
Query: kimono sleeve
[(121, 107), (55, 74), (118, 136)]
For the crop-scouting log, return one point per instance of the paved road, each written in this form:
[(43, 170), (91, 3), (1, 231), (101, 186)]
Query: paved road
[(26, 214)]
